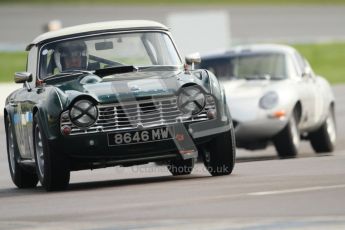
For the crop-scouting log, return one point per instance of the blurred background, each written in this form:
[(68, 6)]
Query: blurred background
[(314, 27)]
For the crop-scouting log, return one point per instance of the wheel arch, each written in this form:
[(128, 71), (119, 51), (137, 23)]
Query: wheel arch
[(45, 120), (5, 112), (298, 111), (332, 105), (5, 122)]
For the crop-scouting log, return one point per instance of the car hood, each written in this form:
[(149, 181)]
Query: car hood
[(124, 87), (245, 89), (243, 96)]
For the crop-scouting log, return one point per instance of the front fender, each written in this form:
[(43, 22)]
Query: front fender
[(288, 97), (218, 92), (48, 110), (287, 101)]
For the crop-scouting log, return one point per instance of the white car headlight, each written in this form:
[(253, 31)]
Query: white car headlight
[(83, 113), (269, 100), (191, 100)]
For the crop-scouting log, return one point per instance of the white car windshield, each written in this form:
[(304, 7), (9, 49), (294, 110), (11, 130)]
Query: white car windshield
[(144, 49), (248, 66)]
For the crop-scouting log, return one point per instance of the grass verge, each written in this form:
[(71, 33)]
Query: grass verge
[(326, 59), (11, 62)]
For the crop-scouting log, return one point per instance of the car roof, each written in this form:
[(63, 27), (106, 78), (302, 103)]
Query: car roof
[(251, 48), (97, 27)]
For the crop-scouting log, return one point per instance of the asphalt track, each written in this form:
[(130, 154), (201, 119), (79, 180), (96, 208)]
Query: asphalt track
[(262, 193)]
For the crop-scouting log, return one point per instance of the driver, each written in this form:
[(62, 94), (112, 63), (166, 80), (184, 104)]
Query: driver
[(71, 56)]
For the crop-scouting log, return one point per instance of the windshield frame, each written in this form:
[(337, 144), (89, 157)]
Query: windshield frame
[(167, 33)]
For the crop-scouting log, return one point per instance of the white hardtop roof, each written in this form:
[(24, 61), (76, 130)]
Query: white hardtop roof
[(99, 26), (254, 48)]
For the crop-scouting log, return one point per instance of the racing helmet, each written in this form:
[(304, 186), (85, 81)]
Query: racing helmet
[(71, 55)]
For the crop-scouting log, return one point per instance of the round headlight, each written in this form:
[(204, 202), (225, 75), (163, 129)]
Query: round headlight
[(191, 100), (83, 113), (269, 100)]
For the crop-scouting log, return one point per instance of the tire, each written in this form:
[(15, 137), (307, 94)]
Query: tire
[(287, 141), (52, 168), (21, 177), (323, 140), (219, 154), (181, 167)]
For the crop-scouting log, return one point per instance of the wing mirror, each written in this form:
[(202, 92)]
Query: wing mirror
[(22, 77), (307, 72), (193, 59)]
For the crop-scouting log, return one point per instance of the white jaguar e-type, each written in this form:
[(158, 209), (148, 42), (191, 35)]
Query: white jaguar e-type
[(275, 96)]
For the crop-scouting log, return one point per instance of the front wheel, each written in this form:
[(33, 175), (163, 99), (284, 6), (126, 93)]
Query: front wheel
[(287, 141), (324, 139), (51, 166), (21, 177), (219, 154)]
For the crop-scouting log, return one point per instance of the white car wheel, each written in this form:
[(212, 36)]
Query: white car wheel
[(287, 141), (324, 139)]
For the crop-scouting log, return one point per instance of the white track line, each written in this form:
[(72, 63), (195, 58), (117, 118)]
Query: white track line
[(276, 192)]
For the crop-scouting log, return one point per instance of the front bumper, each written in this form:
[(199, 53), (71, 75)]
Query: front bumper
[(93, 149), (260, 129)]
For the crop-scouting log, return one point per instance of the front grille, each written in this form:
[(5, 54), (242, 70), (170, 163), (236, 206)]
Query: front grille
[(145, 113)]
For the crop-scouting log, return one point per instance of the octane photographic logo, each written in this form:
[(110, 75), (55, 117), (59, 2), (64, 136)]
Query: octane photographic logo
[(153, 169)]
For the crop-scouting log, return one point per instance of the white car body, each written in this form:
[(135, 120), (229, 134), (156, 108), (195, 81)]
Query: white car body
[(256, 126)]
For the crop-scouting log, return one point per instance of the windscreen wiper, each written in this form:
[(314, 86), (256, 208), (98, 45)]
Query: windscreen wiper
[(69, 73), (115, 70), (158, 68)]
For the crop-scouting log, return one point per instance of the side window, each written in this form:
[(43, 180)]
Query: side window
[(32, 60), (311, 72), (292, 67), (31, 65), (47, 65), (300, 63)]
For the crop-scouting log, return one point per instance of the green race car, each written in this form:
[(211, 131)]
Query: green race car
[(113, 94)]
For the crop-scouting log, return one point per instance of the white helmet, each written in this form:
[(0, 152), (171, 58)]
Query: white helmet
[(71, 49)]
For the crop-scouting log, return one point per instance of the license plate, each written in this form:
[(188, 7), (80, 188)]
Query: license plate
[(136, 137)]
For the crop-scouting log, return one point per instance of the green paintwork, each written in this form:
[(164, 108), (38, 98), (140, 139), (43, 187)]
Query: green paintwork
[(50, 99), (125, 87)]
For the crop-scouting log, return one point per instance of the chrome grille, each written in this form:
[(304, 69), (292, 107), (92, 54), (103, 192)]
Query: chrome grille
[(148, 113)]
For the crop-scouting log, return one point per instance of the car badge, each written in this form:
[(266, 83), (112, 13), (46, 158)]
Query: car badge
[(140, 126)]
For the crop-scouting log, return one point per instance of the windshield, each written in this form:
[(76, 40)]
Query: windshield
[(104, 51), (248, 66)]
